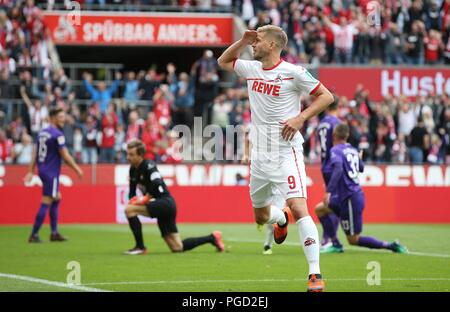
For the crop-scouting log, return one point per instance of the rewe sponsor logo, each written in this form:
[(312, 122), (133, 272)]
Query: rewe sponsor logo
[(266, 88), (412, 83)]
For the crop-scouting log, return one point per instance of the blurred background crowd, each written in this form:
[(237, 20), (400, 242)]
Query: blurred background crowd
[(103, 115)]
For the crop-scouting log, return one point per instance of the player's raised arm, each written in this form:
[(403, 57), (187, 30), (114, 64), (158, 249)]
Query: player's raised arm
[(70, 161), (232, 52)]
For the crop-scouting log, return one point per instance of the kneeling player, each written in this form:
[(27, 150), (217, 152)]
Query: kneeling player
[(157, 203), (344, 194)]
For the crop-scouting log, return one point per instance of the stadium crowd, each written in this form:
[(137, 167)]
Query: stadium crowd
[(104, 115), (358, 31), (337, 31)]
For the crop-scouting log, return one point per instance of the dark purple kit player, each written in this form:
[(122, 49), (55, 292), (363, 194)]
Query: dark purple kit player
[(50, 150), (344, 194), (330, 222)]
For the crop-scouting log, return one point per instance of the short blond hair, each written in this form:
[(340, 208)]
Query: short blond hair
[(138, 145), (276, 33)]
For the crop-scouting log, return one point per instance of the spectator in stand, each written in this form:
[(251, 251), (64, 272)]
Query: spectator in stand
[(23, 150), (434, 156), (406, 118), (78, 150), (173, 145), (108, 125), (148, 84), (433, 47), (416, 12), (69, 133), (91, 141), (184, 100), (131, 93), (247, 10), (415, 44), (7, 63), (274, 12), (394, 45), (447, 42), (262, 18), (38, 113), (376, 45), (151, 137), (399, 150), (162, 103), (6, 148), (135, 124), (205, 70), (46, 96), (119, 144), (427, 116), (434, 16), (6, 94), (419, 143), (26, 80), (362, 45), (102, 95), (343, 38), (61, 81)]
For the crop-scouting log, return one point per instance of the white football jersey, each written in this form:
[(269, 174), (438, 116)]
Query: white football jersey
[(274, 95)]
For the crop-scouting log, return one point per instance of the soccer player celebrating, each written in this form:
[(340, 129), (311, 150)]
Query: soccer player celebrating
[(48, 152), (344, 194), (274, 88), (157, 202), (330, 222)]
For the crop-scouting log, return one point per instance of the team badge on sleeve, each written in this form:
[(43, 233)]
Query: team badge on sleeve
[(61, 140)]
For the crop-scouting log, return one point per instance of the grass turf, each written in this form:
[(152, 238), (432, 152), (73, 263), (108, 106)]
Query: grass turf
[(98, 249)]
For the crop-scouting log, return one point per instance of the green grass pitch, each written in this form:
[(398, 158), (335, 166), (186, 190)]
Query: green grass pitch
[(98, 249)]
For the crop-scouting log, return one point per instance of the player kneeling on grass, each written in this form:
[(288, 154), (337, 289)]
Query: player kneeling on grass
[(156, 203), (344, 195)]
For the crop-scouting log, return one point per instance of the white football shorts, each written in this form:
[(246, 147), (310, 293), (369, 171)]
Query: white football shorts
[(287, 174)]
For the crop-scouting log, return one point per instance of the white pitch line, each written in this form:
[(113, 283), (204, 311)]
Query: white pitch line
[(413, 253), (264, 281), (51, 283)]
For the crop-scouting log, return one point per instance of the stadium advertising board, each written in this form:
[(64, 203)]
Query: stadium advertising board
[(210, 193), (142, 29), (384, 81)]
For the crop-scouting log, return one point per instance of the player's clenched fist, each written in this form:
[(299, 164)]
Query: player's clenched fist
[(249, 36)]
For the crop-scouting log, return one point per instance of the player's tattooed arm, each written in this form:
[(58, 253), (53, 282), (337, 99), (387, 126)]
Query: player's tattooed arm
[(70, 161), (228, 57)]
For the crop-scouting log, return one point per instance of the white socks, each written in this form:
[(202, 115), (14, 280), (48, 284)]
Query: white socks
[(269, 235), (309, 238), (276, 216)]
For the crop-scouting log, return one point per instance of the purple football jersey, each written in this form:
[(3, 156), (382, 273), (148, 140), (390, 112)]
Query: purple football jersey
[(49, 142), (346, 166), (325, 137)]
